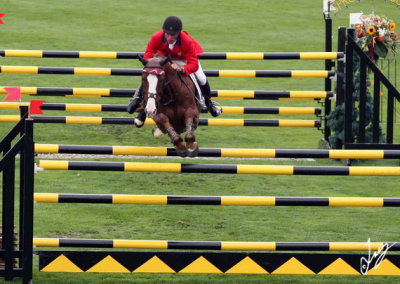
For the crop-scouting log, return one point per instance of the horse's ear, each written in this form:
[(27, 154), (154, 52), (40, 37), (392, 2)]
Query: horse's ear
[(143, 60), (165, 60)]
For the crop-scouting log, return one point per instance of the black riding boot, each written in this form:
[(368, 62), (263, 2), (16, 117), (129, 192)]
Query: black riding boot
[(211, 105), (135, 101)]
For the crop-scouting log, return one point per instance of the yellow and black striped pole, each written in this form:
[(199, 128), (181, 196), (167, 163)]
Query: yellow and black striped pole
[(213, 245), (135, 55), (219, 152), (217, 200), (219, 168), (218, 94), (138, 72), (149, 121), (122, 108)]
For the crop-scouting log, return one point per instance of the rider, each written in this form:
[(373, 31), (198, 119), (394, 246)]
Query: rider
[(171, 40)]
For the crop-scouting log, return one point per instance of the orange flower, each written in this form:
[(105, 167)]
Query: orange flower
[(392, 26), (371, 30)]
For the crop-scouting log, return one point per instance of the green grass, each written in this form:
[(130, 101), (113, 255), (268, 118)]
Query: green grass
[(219, 26)]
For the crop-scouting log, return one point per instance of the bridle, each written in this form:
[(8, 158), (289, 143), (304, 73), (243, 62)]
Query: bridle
[(159, 70), (156, 70)]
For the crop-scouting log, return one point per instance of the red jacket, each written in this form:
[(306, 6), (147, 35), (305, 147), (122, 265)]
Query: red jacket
[(185, 48)]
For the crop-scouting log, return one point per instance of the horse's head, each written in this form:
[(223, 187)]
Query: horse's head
[(153, 80)]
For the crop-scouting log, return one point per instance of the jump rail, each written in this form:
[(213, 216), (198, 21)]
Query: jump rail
[(130, 120), (134, 55), (213, 245), (216, 200), (219, 152), (218, 168), (122, 108), (221, 262), (138, 72), (223, 94)]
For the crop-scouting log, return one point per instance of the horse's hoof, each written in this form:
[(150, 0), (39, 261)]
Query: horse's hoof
[(182, 154), (138, 123), (193, 153), (157, 132)]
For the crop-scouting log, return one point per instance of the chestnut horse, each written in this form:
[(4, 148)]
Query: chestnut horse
[(169, 99)]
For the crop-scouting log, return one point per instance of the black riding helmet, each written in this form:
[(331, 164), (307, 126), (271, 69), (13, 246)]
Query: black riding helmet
[(172, 25)]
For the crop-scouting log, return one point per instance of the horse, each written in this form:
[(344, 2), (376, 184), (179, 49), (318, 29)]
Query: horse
[(169, 98)]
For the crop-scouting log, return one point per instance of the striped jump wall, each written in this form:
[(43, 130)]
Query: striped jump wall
[(219, 94), (213, 245), (216, 200), (219, 152), (134, 55), (149, 121), (138, 72), (122, 108), (262, 263), (218, 168)]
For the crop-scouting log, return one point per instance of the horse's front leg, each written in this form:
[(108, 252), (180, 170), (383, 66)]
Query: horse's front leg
[(165, 126), (190, 138)]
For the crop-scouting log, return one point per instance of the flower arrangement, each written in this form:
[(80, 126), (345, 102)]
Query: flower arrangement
[(376, 35)]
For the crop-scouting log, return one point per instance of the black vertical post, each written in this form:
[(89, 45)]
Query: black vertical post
[(328, 66), (28, 191), (363, 100), (340, 83), (8, 178), (375, 116), (340, 73), (8, 217), (389, 120), (24, 113), (348, 111)]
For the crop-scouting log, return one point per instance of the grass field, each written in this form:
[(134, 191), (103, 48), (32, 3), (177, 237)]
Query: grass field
[(255, 25)]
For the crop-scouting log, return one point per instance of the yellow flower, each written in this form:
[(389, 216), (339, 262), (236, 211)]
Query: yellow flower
[(392, 26), (371, 30)]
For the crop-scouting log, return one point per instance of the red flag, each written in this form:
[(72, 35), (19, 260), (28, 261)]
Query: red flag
[(35, 107), (1, 16), (14, 94)]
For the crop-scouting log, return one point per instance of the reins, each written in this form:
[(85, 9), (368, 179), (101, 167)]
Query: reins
[(159, 70)]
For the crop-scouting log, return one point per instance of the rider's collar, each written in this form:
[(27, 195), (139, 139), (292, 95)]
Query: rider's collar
[(178, 41)]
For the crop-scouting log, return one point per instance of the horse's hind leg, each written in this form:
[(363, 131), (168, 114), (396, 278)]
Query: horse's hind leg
[(190, 138)]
